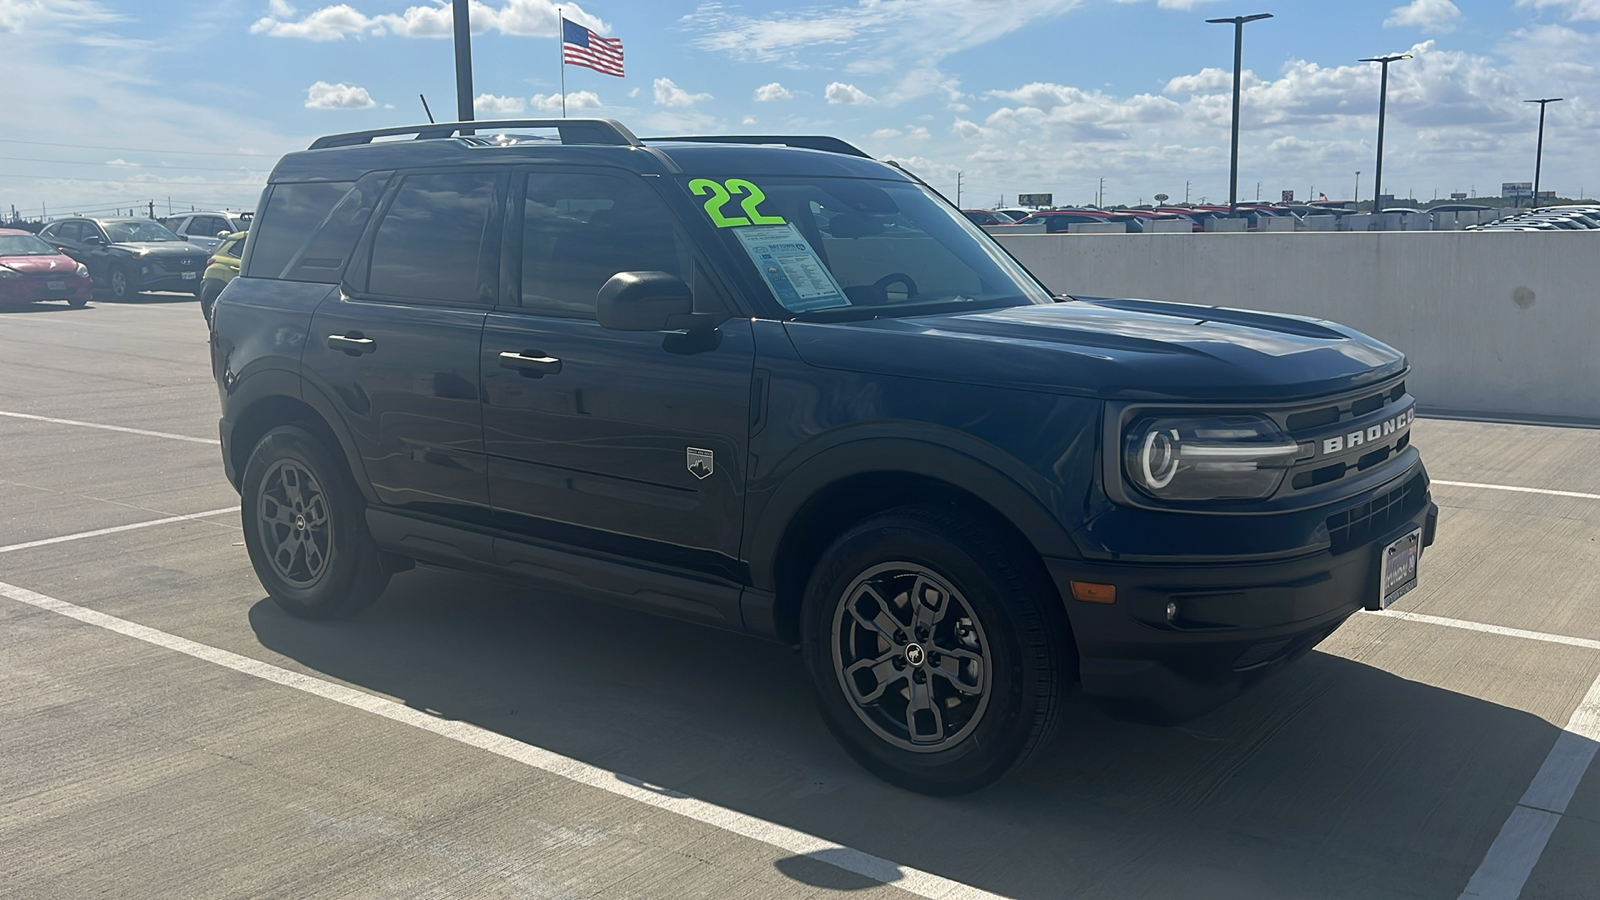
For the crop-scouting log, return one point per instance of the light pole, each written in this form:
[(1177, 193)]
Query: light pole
[(1538, 162), (1383, 107), (1238, 23), (463, 31), (1357, 194)]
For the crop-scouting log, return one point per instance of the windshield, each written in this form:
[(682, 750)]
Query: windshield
[(139, 232), (25, 245), (838, 248)]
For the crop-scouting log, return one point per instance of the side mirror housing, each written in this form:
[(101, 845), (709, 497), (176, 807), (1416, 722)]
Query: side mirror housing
[(645, 301), (94, 239)]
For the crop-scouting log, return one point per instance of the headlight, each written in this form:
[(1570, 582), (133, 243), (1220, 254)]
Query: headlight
[(141, 253), (83, 270), (1218, 458), (8, 273)]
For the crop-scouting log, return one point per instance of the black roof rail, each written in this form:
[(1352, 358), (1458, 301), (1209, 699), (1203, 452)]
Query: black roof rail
[(803, 141), (572, 131)]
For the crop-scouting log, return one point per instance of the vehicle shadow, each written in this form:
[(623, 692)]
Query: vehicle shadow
[(41, 306), (1332, 779), (146, 297)]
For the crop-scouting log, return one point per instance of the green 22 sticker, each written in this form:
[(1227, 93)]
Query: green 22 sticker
[(722, 193)]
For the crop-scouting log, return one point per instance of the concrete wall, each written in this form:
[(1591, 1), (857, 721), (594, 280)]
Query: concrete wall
[(1494, 324)]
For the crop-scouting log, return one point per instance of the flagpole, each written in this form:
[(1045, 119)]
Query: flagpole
[(561, 50)]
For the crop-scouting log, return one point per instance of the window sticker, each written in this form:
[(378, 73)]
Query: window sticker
[(722, 193), (797, 277)]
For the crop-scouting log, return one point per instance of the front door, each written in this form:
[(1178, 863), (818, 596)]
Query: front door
[(627, 441), (397, 349)]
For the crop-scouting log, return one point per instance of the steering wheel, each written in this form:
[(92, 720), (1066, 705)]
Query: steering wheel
[(882, 284)]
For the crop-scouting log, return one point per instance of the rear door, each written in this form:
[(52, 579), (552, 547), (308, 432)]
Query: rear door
[(628, 441), (397, 348)]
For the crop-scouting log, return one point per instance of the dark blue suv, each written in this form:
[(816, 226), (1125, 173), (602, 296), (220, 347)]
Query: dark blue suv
[(774, 386)]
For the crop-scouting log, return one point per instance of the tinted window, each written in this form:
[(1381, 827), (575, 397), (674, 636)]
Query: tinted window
[(24, 245), (430, 243), (145, 231), (579, 230), (323, 257), (291, 213)]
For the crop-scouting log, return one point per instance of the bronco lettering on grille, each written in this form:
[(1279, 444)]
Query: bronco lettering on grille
[(1369, 435)]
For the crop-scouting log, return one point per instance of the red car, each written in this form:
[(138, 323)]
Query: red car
[(32, 270)]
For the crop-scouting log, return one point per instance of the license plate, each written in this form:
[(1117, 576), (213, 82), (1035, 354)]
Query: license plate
[(190, 276), (1398, 569), (55, 285)]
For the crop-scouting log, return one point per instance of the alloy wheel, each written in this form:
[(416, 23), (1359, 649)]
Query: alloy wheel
[(911, 657), (292, 514)]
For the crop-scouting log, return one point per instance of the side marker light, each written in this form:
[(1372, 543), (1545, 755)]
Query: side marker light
[(1089, 592)]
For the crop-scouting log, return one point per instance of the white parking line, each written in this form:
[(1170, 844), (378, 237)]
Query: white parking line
[(119, 528), (1520, 490), (913, 881), (1521, 841), (1502, 630), (159, 434)]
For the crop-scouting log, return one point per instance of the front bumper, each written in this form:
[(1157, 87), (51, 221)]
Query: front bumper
[(32, 288), (1234, 622)]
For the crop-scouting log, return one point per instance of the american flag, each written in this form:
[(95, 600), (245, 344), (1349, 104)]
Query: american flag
[(582, 47)]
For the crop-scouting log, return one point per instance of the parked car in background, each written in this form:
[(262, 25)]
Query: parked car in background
[(207, 230), (1457, 207), (32, 270), (221, 267), (1017, 215), (1060, 221), (987, 217), (126, 256)]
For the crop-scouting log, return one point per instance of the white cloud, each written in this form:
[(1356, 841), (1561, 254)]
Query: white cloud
[(773, 91), (323, 95), (491, 104), (748, 120), (1575, 10), (669, 94), (839, 92), (1208, 81), (119, 161), (886, 133), (31, 15), (575, 100), (528, 18), (1434, 15)]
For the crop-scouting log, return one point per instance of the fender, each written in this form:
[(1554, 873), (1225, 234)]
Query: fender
[(267, 383), (978, 469)]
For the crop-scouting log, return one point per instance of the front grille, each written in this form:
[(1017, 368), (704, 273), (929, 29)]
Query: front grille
[(1327, 415), (1362, 524)]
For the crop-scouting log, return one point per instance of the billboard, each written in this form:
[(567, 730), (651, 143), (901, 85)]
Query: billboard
[(1035, 199), (1516, 190), (1288, 196)]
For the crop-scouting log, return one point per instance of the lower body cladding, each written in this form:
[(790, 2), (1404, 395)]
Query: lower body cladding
[(1179, 640)]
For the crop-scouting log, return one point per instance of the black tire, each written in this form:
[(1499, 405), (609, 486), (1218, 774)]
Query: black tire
[(121, 284), (77, 302), (1012, 653), (305, 528), (208, 298)]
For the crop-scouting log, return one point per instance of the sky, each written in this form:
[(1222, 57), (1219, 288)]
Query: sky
[(188, 103)]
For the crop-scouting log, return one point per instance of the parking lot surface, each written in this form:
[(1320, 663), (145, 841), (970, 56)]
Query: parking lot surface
[(170, 733)]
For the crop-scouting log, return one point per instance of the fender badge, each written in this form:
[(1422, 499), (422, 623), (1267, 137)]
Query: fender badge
[(701, 462)]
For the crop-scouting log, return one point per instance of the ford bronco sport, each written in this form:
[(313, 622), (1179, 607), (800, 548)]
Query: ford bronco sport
[(772, 385)]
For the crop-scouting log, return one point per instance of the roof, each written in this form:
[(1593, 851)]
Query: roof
[(594, 142)]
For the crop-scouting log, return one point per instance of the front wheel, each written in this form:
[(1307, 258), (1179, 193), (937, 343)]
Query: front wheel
[(305, 528), (937, 649), (121, 285)]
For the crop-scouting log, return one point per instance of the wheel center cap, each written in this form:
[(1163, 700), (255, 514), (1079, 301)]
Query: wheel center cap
[(915, 655), (300, 522)]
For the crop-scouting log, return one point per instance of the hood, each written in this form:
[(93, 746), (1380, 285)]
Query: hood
[(164, 248), (1112, 349), (52, 264)]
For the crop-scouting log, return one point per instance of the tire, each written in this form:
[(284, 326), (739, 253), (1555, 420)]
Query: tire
[(305, 528), (986, 680), (208, 299), (77, 302), (121, 285)]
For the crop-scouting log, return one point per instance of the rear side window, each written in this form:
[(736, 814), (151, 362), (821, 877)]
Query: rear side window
[(579, 230), (322, 258), (292, 213), (432, 241)]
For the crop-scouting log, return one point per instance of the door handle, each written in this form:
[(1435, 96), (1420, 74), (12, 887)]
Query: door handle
[(353, 344), (530, 363)]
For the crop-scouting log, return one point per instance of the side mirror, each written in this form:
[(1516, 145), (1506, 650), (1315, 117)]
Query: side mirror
[(222, 234), (645, 301), (94, 240)]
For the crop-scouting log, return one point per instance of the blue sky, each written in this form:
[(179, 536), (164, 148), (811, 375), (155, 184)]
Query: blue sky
[(124, 102)]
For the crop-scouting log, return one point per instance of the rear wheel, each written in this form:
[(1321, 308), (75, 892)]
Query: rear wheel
[(938, 651), (305, 528), (77, 302), (208, 298)]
